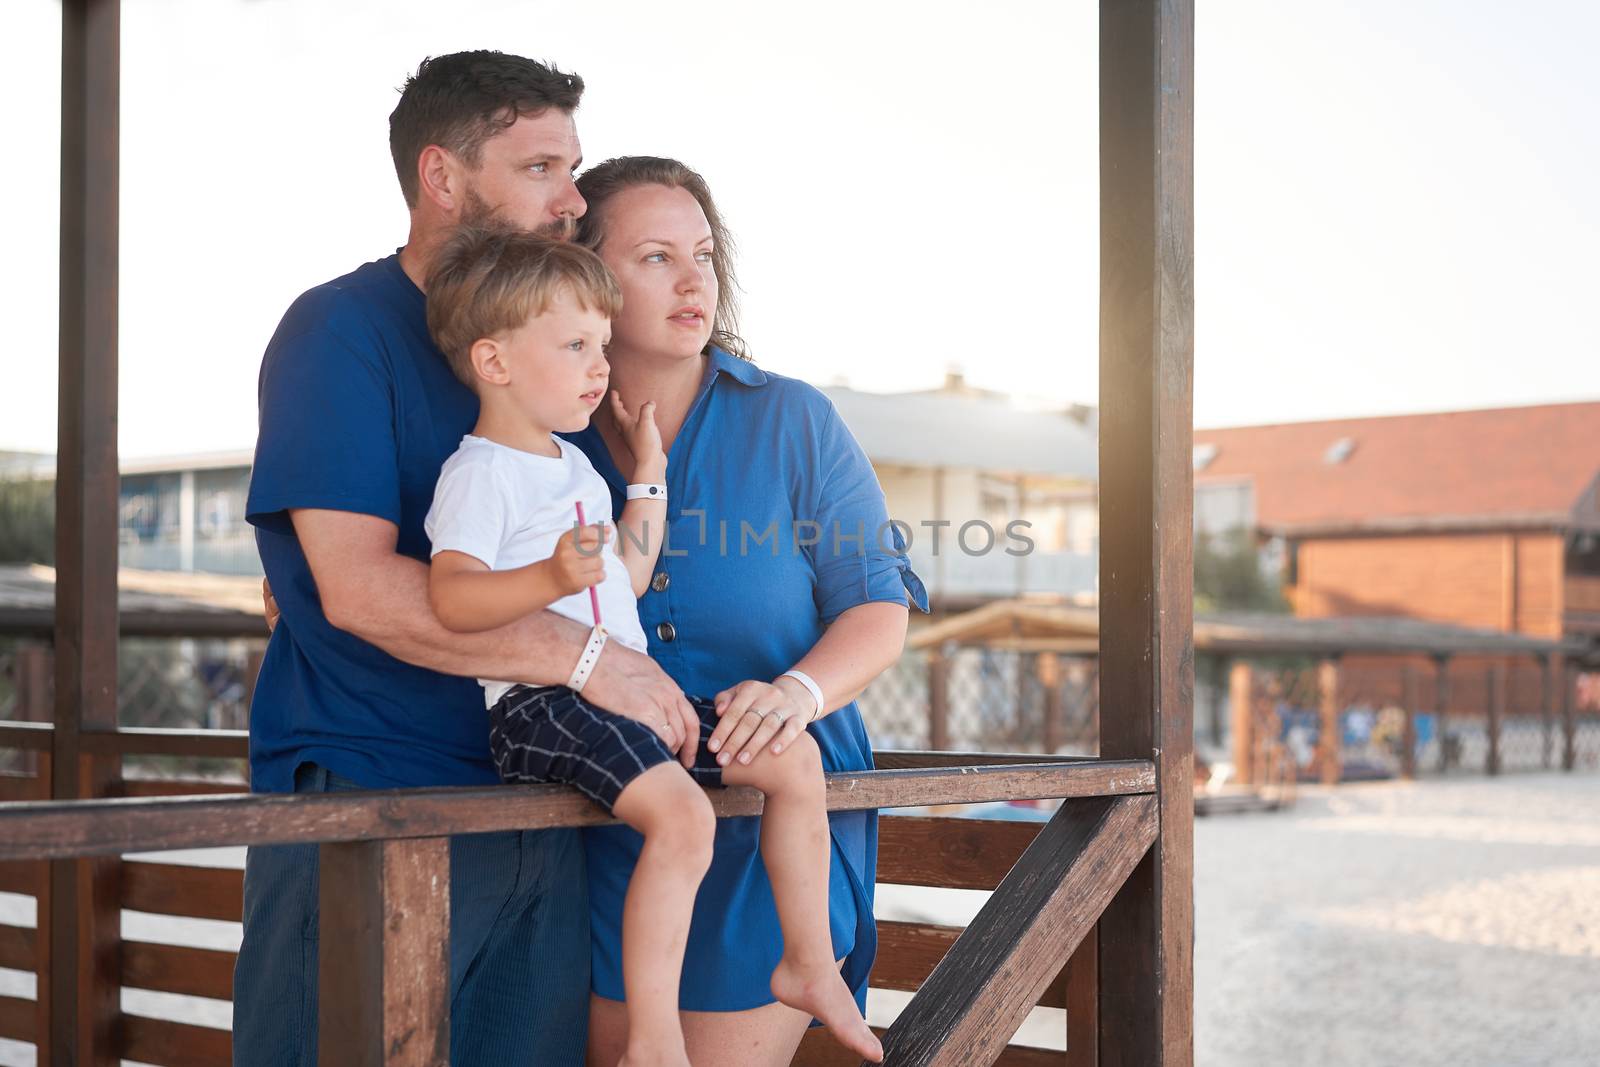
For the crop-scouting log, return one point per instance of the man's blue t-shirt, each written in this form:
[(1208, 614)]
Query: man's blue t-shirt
[(359, 411)]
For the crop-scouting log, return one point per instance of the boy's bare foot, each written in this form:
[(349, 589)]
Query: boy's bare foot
[(821, 993)]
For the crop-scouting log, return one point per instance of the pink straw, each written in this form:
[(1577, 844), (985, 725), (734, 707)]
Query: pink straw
[(594, 598)]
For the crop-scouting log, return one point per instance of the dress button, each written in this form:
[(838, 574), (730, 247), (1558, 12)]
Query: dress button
[(666, 631), (660, 582)]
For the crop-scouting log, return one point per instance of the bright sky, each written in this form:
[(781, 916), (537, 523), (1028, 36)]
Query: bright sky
[(1394, 200)]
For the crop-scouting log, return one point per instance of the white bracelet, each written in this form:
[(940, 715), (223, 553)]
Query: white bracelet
[(646, 491), (586, 662), (811, 687)]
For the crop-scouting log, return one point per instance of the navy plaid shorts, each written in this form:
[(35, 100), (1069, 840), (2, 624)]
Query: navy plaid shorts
[(552, 734)]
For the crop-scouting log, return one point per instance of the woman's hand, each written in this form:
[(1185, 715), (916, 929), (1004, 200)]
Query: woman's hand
[(754, 714), (640, 432)]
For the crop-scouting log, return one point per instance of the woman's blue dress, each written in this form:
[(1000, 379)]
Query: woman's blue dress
[(777, 525)]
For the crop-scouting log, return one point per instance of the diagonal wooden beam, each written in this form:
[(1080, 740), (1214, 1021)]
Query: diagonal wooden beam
[(996, 971)]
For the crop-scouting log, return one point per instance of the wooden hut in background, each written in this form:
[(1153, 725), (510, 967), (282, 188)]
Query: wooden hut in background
[(1486, 519)]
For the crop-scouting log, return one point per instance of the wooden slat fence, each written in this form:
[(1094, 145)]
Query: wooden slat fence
[(914, 850)]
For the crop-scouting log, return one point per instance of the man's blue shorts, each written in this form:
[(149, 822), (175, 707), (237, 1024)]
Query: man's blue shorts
[(552, 734), (519, 948)]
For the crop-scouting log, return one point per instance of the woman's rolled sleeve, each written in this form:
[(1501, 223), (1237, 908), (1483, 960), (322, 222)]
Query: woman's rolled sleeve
[(859, 555)]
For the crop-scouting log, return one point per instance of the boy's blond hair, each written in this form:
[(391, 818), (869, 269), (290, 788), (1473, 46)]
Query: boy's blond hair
[(489, 281)]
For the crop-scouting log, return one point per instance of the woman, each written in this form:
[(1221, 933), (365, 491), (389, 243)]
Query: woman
[(777, 557)]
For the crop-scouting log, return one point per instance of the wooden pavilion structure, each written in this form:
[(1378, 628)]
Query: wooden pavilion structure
[(1054, 631), (1092, 911)]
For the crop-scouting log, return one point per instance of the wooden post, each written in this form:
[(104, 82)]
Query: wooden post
[(1091, 692), (1549, 674), (34, 667), (1048, 666), (34, 704), (84, 912), (1020, 693), (252, 671), (1329, 742), (1243, 721), (383, 963), (938, 700), (1083, 994), (1441, 701), (1497, 704), (1146, 104), (1569, 720), (1217, 711), (43, 923), (1408, 732)]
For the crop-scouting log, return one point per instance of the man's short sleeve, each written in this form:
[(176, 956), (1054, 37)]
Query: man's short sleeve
[(327, 436)]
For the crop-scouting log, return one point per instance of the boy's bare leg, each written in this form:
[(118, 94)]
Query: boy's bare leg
[(796, 849), (672, 812)]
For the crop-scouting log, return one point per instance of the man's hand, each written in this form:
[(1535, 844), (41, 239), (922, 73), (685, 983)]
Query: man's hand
[(368, 589), (633, 685), (269, 606)]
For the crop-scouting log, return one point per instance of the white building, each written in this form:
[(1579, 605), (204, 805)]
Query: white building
[(1008, 494), (972, 458)]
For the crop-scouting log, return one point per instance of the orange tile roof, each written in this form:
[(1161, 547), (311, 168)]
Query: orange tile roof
[(1505, 464)]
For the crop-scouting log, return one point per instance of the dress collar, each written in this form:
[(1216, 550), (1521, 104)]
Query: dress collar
[(718, 362), (740, 370)]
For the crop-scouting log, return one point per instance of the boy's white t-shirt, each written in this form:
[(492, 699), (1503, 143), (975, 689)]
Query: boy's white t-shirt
[(508, 508)]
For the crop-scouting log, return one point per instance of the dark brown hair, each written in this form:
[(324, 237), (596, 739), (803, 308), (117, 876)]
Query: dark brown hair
[(600, 183), (461, 100), (492, 281)]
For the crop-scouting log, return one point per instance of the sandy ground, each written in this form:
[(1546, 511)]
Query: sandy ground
[(1452, 923), (1446, 922)]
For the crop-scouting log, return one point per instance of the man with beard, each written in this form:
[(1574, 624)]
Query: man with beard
[(361, 686)]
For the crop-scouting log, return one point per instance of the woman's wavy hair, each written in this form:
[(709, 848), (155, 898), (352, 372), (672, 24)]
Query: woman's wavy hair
[(601, 183)]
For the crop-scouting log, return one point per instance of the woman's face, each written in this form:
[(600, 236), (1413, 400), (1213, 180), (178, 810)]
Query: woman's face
[(658, 243)]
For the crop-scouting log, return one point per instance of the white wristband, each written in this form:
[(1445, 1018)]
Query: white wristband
[(646, 491), (586, 662), (811, 687)]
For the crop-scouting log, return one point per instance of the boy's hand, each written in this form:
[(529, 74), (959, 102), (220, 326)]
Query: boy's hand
[(640, 431), (579, 559)]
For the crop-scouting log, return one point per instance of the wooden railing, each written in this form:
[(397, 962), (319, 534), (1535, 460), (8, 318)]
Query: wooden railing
[(1032, 944)]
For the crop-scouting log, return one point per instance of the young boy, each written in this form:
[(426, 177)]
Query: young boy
[(524, 322)]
